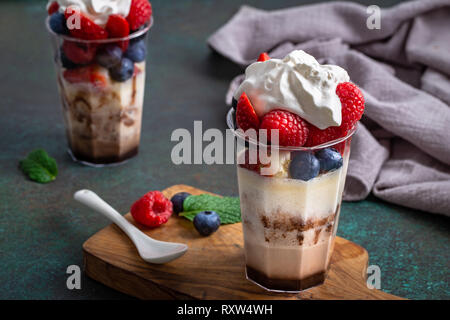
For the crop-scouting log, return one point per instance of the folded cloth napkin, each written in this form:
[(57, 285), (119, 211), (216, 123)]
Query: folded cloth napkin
[(401, 151)]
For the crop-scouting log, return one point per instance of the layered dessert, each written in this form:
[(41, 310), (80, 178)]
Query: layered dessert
[(100, 50), (290, 202)]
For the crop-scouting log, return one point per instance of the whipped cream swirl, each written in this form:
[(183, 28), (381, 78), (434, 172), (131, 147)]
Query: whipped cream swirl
[(297, 83), (97, 10)]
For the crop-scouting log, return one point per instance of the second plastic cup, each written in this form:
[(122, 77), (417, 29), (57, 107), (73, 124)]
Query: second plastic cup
[(101, 84)]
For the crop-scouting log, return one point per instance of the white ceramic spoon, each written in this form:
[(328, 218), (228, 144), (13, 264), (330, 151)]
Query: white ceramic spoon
[(151, 250)]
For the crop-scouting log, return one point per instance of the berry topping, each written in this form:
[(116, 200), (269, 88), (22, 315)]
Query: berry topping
[(352, 102), (246, 117), (177, 201), (207, 222), (57, 23), (87, 30), (140, 13), (152, 209), (317, 136), (303, 166), (87, 74), (263, 57), (117, 26), (79, 53), (293, 130), (52, 8), (329, 159), (66, 63), (123, 70), (109, 56), (136, 51)]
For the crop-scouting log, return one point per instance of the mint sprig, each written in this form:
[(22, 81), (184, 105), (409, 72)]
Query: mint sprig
[(39, 166), (228, 208)]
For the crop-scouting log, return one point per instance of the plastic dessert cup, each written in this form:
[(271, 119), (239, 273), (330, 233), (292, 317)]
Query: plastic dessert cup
[(102, 114), (289, 225)]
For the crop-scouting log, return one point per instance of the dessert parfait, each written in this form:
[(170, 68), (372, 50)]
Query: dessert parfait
[(290, 212), (100, 50)]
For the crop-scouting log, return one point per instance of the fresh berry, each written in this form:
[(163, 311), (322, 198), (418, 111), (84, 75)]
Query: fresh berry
[(293, 130), (52, 8), (66, 62), (140, 13), (317, 137), (304, 166), (246, 117), (117, 27), (87, 74), (152, 209), (329, 159), (57, 23), (136, 51), (79, 53), (87, 30), (123, 70), (109, 56), (263, 57), (207, 222), (234, 103), (177, 201), (352, 102)]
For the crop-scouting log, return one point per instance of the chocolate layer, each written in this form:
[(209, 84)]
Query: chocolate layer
[(285, 284)]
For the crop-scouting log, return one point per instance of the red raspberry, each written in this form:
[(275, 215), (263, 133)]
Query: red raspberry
[(293, 130), (79, 53), (88, 29), (52, 8), (317, 136), (246, 117), (140, 13), (117, 27), (152, 209), (352, 102), (263, 57), (87, 74)]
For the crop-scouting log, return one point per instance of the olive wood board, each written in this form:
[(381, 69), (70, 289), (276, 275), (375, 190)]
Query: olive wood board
[(213, 267)]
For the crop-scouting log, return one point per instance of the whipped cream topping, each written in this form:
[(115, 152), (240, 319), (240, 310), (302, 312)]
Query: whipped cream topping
[(97, 10), (298, 84)]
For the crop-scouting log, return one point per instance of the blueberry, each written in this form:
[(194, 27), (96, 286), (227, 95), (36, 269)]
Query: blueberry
[(136, 51), (58, 23), (304, 166), (329, 158), (123, 70), (234, 103), (177, 201), (207, 222), (66, 62), (109, 56)]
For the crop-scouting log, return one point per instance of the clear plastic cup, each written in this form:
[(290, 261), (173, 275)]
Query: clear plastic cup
[(289, 225), (101, 101)]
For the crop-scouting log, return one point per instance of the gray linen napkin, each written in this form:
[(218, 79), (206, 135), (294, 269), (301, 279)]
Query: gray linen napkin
[(401, 151)]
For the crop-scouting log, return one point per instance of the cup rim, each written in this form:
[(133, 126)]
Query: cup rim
[(239, 134), (99, 41)]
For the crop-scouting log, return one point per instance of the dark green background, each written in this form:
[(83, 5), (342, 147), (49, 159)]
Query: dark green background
[(42, 229)]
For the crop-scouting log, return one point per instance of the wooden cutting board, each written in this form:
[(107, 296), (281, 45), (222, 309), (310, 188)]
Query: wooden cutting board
[(212, 268)]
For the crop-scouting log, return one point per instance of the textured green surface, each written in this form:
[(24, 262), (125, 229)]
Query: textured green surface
[(42, 229)]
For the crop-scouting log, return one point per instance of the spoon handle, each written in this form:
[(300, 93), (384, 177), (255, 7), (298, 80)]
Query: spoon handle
[(93, 201)]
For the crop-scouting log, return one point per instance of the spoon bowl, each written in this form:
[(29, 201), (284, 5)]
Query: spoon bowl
[(149, 249)]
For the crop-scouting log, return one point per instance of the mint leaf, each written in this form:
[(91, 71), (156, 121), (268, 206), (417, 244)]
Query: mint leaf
[(39, 166), (228, 208)]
